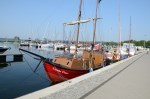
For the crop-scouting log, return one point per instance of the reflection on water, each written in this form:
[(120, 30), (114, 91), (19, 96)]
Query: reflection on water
[(18, 78), (2, 65)]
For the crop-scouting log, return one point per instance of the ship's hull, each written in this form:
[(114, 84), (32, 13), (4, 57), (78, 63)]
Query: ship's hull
[(58, 73)]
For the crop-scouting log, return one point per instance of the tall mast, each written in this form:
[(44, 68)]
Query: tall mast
[(129, 36), (130, 31), (63, 32), (95, 21), (79, 17), (119, 26)]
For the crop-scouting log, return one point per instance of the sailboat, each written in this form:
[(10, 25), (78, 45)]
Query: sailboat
[(115, 53), (62, 68), (129, 49)]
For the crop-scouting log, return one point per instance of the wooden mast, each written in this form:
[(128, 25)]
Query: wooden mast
[(77, 39), (91, 63), (129, 37), (63, 32), (130, 31), (95, 21), (119, 26)]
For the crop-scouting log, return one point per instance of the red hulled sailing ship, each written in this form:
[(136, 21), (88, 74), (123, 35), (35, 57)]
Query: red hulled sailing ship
[(63, 68)]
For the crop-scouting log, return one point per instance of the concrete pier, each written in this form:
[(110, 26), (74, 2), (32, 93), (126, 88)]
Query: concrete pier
[(131, 83), (127, 79)]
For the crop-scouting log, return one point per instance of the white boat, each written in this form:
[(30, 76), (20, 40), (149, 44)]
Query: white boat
[(59, 46), (25, 43), (128, 48), (3, 49), (43, 45), (80, 47)]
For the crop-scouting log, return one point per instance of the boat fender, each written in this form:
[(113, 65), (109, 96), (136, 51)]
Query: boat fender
[(90, 69)]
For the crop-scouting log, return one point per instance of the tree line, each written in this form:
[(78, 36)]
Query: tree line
[(143, 43)]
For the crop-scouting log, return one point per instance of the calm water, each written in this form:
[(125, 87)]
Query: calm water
[(18, 78)]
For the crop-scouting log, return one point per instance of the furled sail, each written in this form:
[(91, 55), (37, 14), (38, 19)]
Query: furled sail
[(81, 21), (76, 22)]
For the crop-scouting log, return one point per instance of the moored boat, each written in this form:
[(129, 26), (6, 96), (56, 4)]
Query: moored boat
[(68, 66), (63, 68), (25, 43), (58, 73), (3, 49)]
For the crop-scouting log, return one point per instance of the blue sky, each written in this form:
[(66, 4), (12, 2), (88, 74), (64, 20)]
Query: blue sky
[(44, 19)]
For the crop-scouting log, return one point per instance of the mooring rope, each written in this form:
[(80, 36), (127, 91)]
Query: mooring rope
[(32, 68)]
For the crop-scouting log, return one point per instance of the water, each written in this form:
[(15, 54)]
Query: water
[(18, 78)]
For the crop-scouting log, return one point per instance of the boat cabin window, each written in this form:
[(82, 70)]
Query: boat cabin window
[(67, 63), (55, 60)]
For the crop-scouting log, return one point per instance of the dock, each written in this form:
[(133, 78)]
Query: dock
[(17, 57), (126, 79)]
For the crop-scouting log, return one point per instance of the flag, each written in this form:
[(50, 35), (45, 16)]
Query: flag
[(99, 1)]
